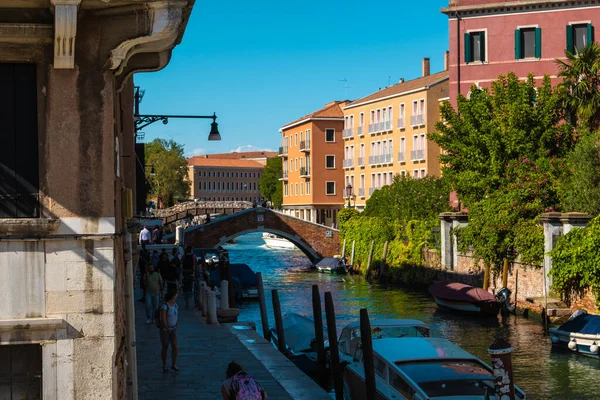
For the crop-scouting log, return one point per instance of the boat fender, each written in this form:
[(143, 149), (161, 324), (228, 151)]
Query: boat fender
[(594, 348), (554, 339), (572, 345)]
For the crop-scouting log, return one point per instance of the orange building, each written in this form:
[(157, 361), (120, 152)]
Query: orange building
[(385, 133), (313, 174)]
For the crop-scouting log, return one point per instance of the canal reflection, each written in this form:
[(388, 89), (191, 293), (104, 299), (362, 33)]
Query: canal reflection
[(539, 371)]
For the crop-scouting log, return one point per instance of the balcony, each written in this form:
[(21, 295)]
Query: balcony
[(401, 156), (417, 120), (387, 126), (387, 158), (349, 163), (305, 145), (361, 192), (371, 190), (361, 161), (401, 123), (381, 159), (283, 151), (347, 133), (304, 172), (417, 155), (360, 131), (283, 176)]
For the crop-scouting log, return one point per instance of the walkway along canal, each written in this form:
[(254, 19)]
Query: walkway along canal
[(541, 372)]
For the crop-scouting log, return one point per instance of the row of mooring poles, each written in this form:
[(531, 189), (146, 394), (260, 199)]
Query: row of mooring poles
[(500, 351)]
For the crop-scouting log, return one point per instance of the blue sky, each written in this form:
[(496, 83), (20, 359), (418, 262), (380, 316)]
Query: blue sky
[(261, 64)]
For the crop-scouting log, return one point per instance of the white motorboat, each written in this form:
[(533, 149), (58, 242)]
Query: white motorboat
[(273, 241), (581, 334)]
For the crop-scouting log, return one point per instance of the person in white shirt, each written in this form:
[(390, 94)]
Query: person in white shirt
[(168, 330), (145, 236)]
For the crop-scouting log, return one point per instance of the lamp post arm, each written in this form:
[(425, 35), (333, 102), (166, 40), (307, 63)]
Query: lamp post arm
[(142, 121)]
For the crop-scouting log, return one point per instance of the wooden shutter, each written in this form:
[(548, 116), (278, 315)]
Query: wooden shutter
[(518, 53), (482, 46), (467, 44), (570, 47), (538, 42), (590, 33)]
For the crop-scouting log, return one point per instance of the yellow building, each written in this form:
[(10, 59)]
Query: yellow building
[(385, 134)]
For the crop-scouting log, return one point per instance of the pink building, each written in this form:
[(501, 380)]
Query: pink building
[(493, 37)]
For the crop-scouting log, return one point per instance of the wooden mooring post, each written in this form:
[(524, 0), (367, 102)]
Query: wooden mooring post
[(501, 354), (383, 257), (352, 254), (367, 349), (370, 258), (278, 321), (319, 337), (344, 249), (505, 273), (516, 288), (333, 347), (264, 318)]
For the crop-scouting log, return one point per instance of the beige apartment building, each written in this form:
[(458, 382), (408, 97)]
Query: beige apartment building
[(385, 134), (216, 179), (259, 156), (313, 175)]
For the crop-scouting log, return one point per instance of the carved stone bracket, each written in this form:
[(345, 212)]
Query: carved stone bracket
[(166, 17), (65, 31)]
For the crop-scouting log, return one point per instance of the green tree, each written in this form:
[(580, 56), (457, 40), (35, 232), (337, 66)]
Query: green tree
[(492, 128), (269, 184), (580, 88), (167, 171)]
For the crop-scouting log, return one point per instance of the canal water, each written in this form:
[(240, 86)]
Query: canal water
[(541, 372)]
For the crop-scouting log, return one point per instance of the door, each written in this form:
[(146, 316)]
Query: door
[(21, 372)]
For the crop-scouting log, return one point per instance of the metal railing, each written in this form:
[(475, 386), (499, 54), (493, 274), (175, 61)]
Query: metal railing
[(347, 133), (361, 161), (387, 158), (417, 155), (304, 172), (283, 151), (372, 128), (349, 163), (360, 131), (418, 119), (401, 123), (361, 192), (305, 145), (283, 176), (387, 125), (401, 156)]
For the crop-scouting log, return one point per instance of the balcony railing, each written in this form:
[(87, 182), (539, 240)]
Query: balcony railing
[(401, 123), (360, 131), (371, 190), (305, 145), (361, 192), (387, 158), (372, 128), (380, 127), (417, 155), (304, 172), (283, 151), (417, 120), (401, 156), (387, 125), (361, 161), (349, 163), (283, 176), (347, 133), (381, 159)]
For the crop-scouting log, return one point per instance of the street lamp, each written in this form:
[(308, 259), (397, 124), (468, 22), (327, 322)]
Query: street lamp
[(349, 193), (143, 120)]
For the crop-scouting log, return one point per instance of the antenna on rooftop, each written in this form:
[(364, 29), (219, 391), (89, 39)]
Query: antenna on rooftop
[(345, 86)]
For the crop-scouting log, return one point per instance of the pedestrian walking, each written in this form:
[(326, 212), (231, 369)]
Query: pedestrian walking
[(155, 257), (168, 330), (170, 275), (200, 275), (154, 285), (145, 237), (143, 261), (187, 270), (239, 385), (155, 235)]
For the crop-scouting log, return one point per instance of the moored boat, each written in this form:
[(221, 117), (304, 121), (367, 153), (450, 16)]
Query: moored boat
[(468, 299), (422, 368), (332, 265), (245, 282), (273, 241), (581, 334)]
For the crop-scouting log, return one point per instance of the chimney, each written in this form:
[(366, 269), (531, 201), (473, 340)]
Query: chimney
[(426, 66), (446, 60), (401, 80)]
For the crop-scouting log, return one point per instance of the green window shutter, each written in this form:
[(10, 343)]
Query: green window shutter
[(590, 33), (518, 54), (468, 55), (482, 46), (570, 48), (538, 42)]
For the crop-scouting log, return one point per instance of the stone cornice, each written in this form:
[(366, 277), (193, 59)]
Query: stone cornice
[(515, 6), (26, 33)]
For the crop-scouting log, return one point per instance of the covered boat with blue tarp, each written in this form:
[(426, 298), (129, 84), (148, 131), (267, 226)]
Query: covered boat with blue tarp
[(581, 333), (245, 282), (332, 265)]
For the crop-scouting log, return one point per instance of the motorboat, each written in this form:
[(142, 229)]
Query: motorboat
[(332, 265), (273, 241), (464, 298), (245, 282), (300, 346), (422, 368), (349, 341), (581, 334)]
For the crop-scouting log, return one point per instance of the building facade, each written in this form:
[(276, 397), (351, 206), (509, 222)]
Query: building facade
[(214, 179), (385, 134), (313, 175), (67, 165), (492, 37), (258, 156)]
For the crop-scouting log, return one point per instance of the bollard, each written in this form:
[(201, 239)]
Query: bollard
[(263, 308), (278, 321), (501, 354), (333, 347), (205, 301), (212, 308), (224, 294), (179, 235), (367, 349), (201, 295), (319, 339)]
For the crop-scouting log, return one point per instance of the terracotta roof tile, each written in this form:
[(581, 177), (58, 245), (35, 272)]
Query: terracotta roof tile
[(331, 110), (401, 88), (220, 162)]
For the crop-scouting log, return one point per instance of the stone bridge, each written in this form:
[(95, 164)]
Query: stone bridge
[(314, 240)]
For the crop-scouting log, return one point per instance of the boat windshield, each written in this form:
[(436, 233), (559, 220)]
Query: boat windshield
[(380, 332), (450, 378)]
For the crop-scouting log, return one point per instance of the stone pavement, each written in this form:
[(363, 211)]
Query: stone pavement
[(204, 352)]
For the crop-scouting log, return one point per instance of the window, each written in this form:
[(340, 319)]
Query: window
[(329, 162), (330, 188), (307, 187), (297, 192), (362, 150), (579, 36), (416, 174), (330, 135), (296, 139), (422, 173), (285, 189), (21, 373), (475, 47), (422, 106), (362, 119), (528, 43), (380, 367), (301, 190)]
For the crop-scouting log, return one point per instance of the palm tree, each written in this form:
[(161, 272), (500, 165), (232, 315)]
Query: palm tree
[(581, 85)]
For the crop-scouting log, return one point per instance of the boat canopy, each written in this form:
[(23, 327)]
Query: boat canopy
[(240, 272), (460, 292), (299, 332), (396, 351), (330, 262), (585, 323)]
